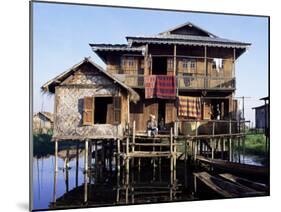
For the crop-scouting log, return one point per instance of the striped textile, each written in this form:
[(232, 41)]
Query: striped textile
[(189, 107), (150, 86), (160, 86)]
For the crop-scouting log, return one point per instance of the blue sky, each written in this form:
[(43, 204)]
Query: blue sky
[(62, 34)]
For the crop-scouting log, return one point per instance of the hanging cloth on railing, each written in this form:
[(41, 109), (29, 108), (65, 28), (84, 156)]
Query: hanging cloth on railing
[(218, 63), (166, 87), (150, 86), (189, 107), (160, 86)]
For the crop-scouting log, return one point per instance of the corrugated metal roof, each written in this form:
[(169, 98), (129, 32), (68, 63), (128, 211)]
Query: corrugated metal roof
[(114, 47), (187, 40)]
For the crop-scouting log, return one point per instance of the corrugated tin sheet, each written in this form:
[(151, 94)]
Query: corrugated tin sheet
[(187, 40), (116, 47)]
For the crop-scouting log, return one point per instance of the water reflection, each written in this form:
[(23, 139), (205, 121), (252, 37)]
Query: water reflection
[(103, 184)]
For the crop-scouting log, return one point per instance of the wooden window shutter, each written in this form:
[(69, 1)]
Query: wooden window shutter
[(88, 112), (117, 109)]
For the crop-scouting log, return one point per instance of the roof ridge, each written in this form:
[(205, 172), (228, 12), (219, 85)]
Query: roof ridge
[(188, 23)]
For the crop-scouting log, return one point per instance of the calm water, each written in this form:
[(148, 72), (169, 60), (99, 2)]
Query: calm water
[(106, 187)]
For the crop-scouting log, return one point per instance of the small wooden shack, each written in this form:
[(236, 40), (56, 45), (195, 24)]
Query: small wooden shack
[(262, 115), (89, 103), (43, 122)]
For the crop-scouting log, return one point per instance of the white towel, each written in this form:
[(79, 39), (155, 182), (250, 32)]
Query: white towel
[(218, 62)]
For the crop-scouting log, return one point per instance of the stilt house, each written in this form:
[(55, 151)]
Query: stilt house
[(183, 74), (89, 103)]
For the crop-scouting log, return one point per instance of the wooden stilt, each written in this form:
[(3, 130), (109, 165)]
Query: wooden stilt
[(77, 164), (185, 163), (127, 156), (175, 161), (86, 156), (56, 155), (230, 142), (110, 155), (222, 148), (195, 184), (239, 150), (133, 142), (243, 140), (212, 146), (171, 153), (55, 188), (85, 188), (118, 155), (90, 154)]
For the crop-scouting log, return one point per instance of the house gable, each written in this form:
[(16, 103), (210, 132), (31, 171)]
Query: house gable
[(188, 29)]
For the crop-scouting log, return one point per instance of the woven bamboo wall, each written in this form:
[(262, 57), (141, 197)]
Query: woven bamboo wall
[(69, 98)]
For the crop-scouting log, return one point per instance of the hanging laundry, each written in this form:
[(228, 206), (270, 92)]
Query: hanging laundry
[(160, 86), (189, 107), (150, 86), (218, 63), (166, 87)]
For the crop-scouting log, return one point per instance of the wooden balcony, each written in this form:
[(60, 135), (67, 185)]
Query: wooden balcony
[(193, 82)]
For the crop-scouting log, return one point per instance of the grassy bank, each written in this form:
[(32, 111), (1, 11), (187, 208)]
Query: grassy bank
[(255, 144)]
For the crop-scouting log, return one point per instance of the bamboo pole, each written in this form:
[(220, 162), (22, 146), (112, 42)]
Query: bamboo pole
[(175, 159), (85, 187), (56, 155), (77, 164), (230, 143), (118, 156), (127, 155), (212, 146), (55, 187), (86, 156), (90, 155), (96, 155), (171, 152), (133, 142)]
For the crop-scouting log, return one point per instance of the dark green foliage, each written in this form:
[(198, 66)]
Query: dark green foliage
[(42, 145), (255, 144)]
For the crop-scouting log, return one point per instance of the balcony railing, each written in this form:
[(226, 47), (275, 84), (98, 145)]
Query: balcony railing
[(184, 82)]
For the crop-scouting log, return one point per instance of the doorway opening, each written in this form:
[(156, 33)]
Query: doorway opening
[(159, 66)]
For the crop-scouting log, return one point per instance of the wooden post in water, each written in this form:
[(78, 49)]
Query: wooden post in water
[(175, 159), (86, 156), (185, 163), (56, 155), (77, 164), (171, 153), (127, 155), (118, 156), (212, 146), (133, 141), (90, 154), (238, 149), (222, 147), (85, 186), (230, 143), (110, 155)]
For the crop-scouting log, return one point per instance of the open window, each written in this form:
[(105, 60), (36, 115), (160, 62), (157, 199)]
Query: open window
[(102, 110)]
